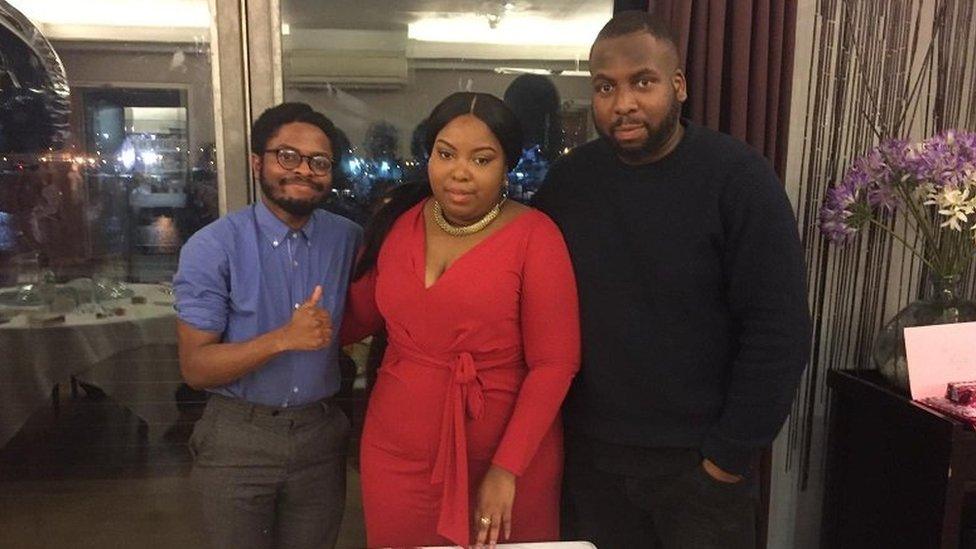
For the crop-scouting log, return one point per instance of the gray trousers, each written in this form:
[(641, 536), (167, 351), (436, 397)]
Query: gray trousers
[(270, 477), (656, 498)]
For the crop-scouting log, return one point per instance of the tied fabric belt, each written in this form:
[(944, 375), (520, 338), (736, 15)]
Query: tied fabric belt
[(465, 398)]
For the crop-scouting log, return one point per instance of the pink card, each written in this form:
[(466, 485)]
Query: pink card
[(939, 354)]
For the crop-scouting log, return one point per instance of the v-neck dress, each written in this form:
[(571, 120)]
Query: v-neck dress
[(475, 372)]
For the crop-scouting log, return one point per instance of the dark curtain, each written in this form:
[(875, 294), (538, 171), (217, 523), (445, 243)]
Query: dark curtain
[(738, 60)]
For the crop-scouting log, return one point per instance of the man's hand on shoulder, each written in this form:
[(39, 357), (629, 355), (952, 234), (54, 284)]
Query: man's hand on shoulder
[(310, 327)]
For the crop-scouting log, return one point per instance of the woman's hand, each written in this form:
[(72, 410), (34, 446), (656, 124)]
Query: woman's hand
[(494, 511)]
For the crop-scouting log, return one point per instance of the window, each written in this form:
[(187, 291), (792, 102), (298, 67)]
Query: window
[(377, 72), (109, 160), (106, 168)]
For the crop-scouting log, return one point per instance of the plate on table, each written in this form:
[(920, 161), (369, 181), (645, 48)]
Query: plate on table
[(25, 296), (105, 290)]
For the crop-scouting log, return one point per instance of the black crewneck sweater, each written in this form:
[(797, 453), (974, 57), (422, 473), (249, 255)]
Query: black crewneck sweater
[(695, 326)]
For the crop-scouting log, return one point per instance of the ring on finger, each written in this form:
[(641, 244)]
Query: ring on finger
[(484, 521)]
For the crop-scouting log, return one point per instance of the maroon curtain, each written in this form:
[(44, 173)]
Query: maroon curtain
[(738, 59)]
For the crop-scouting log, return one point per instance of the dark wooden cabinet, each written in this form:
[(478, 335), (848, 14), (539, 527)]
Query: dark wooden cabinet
[(897, 473)]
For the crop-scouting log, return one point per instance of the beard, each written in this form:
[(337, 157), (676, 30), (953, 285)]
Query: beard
[(294, 206), (657, 136)]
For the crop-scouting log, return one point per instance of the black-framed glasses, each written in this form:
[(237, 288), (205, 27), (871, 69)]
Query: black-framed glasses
[(290, 159)]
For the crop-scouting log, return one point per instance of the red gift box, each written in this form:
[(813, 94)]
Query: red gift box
[(959, 402), (962, 392)]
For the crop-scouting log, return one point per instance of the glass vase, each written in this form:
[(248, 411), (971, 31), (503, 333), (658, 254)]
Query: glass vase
[(944, 304)]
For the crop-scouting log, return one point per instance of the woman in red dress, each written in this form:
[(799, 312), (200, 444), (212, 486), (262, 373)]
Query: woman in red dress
[(463, 441)]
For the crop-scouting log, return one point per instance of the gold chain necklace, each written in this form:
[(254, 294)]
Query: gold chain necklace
[(465, 230)]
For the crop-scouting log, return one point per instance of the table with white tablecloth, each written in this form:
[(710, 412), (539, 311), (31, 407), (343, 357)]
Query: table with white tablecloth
[(35, 356), (536, 545)]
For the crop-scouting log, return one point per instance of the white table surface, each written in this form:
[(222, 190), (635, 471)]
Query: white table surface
[(34, 358), (541, 545)]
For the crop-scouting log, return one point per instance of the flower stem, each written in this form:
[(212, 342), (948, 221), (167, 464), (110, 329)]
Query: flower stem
[(922, 223), (905, 243)]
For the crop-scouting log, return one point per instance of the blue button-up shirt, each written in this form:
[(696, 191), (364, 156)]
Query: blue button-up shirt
[(244, 274)]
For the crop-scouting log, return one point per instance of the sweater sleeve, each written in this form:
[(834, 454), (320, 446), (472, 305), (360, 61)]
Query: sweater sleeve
[(362, 317), (551, 344), (766, 292)]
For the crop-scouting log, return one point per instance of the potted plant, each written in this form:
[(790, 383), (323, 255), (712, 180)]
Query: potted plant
[(932, 184)]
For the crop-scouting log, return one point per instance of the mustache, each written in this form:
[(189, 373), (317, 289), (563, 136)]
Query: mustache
[(302, 181), (628, 121)]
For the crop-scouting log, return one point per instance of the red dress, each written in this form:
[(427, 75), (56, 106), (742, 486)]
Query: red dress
[(475, 372)]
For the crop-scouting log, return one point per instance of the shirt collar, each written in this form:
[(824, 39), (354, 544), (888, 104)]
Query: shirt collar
[(276, 230)]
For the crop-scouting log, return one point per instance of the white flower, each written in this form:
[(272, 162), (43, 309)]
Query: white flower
[(924, 192), (954, 205)]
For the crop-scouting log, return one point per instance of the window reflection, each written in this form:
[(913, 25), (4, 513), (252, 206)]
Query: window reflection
[(116, 176), (106, 168), (107, 165), (377, 68)]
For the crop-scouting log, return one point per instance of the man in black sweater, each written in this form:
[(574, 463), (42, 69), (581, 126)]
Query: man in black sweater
[(693, 304)]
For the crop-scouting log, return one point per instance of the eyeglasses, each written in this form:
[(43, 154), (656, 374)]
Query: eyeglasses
[(290, 159)]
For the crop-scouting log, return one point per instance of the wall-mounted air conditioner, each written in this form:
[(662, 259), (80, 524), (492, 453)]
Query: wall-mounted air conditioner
[(322, 58), (343, 69)]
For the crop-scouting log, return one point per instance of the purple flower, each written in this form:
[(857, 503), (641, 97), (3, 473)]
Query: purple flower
[(833, 224), (880, 179), (842, 214), (942, 159)]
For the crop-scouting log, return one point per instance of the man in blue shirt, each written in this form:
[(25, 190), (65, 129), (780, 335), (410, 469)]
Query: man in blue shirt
[(257, 293)]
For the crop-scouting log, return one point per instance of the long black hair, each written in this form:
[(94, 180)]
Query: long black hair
[(485, 107)]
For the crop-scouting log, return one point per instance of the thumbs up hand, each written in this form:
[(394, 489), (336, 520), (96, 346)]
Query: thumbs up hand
[(310, 327), (313, 300)]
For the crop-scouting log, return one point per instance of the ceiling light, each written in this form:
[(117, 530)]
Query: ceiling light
[(575, 73), (513, 29), (122, 13), (521, 70)]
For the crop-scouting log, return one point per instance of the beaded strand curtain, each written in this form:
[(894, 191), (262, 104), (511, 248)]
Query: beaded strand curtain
[(878, 69)]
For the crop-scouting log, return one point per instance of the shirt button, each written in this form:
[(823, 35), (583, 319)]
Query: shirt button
[(274, 243), (295, 263), (294, 235), (297, 305), (294, 390)]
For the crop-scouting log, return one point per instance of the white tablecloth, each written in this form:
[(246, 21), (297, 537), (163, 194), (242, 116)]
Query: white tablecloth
[(542, 545), (33, 359)]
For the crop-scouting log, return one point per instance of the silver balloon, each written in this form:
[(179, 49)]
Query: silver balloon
[(36, 87)]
